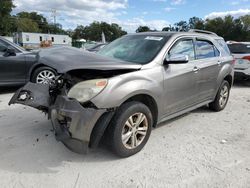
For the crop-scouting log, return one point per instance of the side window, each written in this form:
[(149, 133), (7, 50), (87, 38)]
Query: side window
[(205, 49), (3, 48), (222, 43), (216, 52), (185, 47)]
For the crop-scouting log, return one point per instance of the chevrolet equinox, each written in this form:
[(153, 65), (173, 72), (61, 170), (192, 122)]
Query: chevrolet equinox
[(130, 86)]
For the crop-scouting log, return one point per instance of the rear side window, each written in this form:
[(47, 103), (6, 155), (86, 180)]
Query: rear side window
[(239, 48), (205, 49), (185, 47), (222, 43)]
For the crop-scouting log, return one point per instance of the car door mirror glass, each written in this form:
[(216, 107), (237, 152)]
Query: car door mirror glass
[(176, 59)]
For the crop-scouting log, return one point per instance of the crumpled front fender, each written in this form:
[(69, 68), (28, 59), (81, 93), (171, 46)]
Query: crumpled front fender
[(34, 95)]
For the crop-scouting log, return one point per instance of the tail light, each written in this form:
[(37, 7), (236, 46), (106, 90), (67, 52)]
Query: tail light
[(247, 58)]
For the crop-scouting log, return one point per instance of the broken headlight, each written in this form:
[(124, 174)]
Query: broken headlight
[(86, 90)]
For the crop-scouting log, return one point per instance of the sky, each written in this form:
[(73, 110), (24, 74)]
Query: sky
[(130, 14)]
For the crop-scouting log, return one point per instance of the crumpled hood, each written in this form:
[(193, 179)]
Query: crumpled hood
[(64, 59)]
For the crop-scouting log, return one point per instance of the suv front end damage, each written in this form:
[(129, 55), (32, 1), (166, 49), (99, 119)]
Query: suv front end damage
[(72, 122)]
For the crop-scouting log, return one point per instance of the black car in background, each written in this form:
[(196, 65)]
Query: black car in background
[(18, 66)]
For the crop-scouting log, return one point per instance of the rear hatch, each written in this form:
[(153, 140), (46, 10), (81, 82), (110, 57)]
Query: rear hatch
[(241, 53)]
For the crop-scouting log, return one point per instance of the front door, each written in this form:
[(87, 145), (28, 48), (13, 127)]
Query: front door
[(13, 67), (180, 80)]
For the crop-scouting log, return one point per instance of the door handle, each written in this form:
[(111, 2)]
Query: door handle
[(219, 63), (196, 69)]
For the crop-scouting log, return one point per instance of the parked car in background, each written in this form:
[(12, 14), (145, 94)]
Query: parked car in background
[(97, 47), (241, 53), (130, 86), (19, 66)]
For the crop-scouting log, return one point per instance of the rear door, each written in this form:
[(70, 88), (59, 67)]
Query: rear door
[(12, 68), (209, 63)]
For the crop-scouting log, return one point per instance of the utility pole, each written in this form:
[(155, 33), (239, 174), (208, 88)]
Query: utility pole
[(54, 14)]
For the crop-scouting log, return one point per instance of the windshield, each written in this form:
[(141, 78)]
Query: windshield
[(135, 48)]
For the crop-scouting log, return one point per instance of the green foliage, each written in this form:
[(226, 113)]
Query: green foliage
[(182, 26), (94, 31), (34, 22), (27, 25), (229, 28), (142, 29), (196, 23), (6, 23)]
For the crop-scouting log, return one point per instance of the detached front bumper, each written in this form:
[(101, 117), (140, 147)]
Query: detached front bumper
[(73, 123)]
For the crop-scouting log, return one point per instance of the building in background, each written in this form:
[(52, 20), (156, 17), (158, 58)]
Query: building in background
[(36, 40)]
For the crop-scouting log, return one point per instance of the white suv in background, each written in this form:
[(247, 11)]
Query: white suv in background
[(241, 53)]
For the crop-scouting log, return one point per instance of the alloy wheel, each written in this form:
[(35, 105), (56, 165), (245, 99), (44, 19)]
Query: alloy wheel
[(223, 96), (134, 130), (45, 77)]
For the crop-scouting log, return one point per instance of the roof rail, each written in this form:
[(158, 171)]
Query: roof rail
[(202, 31)]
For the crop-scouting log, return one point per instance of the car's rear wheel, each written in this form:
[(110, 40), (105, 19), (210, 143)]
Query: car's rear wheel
[(43, 75), (221, 98), (130, 128)]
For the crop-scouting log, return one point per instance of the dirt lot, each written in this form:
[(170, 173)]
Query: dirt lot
[(199, 149)]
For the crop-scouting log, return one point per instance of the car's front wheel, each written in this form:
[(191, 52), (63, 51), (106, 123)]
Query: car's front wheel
[(221, 98), (43, 75), (130, 128)]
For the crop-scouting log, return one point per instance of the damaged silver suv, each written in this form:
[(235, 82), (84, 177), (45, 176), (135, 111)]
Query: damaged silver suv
[(130, 86)]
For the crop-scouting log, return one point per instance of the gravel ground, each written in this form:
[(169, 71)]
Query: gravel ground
[(198, 149)]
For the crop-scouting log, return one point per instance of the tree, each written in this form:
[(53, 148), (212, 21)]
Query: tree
[(196, 23), (181, 26), (142, 29), (166, 29), (246, 25), (94, 31), (6, 21), (39, 19), (27, 25)]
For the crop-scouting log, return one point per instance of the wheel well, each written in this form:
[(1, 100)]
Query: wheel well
[(149, 102), (34, 69), (229, 78)]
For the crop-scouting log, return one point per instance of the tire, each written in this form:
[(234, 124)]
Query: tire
[(43, 75), (220, 102), (119, 128)]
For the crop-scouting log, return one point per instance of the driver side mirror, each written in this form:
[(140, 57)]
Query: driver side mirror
[(9, 52), (176, 59)]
